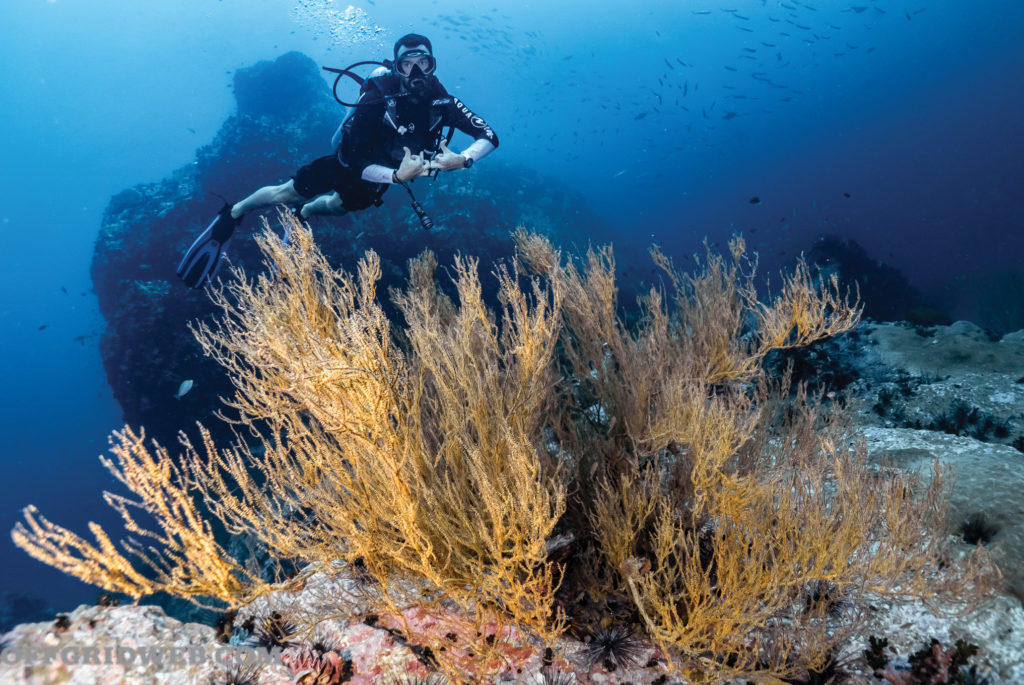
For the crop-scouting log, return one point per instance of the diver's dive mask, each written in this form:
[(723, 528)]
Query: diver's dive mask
[(413, 68), (415, 65)]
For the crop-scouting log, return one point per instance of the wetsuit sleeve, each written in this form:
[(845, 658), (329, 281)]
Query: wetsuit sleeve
[(378, 173), (462, 118)]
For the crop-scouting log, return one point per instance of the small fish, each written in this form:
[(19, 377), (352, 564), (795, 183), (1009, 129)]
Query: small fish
[(846, 195), (755, 200), (64, 290), (641, 115), (183, 389), (192, 130), (620, 173), (43, 327)]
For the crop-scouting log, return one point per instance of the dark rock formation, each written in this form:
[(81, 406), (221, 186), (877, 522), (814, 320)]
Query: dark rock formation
[(884, 290), (285, 118)]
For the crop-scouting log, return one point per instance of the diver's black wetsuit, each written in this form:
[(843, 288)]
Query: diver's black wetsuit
[(374, 135)]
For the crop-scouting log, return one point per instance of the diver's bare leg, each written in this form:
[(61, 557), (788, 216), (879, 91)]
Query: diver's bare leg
[(267, 195), (325, 204)]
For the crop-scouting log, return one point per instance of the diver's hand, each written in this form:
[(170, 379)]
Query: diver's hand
[(411, 167), (446, 160)]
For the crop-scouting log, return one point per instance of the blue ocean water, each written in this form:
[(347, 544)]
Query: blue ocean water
[(895, 123)]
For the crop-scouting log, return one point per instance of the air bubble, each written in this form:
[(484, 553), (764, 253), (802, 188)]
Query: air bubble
[(345, 27)]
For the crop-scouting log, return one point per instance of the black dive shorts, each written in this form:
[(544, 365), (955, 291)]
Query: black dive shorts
[(326, 174)]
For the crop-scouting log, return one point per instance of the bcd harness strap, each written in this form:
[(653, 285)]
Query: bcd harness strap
[(391, 100), (436, 117)]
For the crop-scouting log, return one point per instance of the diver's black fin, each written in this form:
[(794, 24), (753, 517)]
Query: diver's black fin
[(203, 258)]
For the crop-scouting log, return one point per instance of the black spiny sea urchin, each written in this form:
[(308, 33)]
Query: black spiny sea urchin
[(613, 647), (978, 529), (273, 631)]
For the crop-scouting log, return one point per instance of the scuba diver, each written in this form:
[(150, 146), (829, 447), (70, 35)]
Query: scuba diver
[(402, 108)]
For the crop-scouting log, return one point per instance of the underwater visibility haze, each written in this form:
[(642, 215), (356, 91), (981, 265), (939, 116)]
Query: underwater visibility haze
[(894, 124)]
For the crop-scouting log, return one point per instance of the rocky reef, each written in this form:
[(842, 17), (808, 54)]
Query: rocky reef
[(285, 117), (261, 644), (951, 393)]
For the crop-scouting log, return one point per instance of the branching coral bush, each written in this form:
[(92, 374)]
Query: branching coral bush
[(183, 558), (438, 458), (418, 459), (720, 519)]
